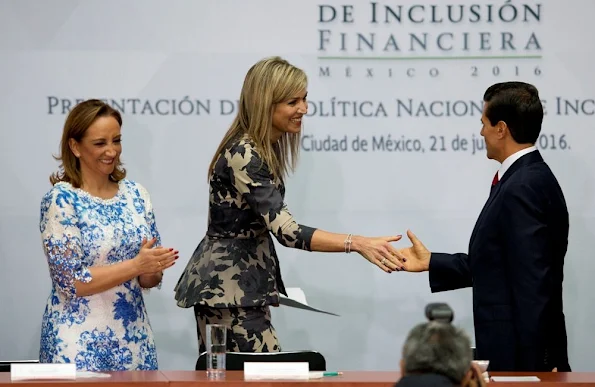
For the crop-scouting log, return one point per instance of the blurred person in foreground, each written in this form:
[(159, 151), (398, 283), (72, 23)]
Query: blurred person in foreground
[(438, 354)]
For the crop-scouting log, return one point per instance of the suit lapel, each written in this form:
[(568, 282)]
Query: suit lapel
[(493, 192), (528, 159)]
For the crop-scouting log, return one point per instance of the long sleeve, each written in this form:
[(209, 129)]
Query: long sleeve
[(61, 240), (449, 272), (253, 179)]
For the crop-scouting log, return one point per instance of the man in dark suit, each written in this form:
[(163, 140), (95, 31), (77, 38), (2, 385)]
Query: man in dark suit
[(516, 253)]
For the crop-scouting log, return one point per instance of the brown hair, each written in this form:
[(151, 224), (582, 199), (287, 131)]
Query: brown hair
[(268, 82), (80, 118)]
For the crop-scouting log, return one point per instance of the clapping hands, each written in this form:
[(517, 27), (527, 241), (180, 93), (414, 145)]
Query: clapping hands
[(151, 260)]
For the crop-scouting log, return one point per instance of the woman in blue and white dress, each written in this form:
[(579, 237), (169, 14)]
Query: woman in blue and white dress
[(102, 246)]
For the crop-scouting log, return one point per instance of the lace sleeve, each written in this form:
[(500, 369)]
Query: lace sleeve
[(150, 215), (61, 240), (151, 222)]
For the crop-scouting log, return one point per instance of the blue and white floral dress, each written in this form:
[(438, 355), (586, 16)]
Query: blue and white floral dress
[(108, 331)]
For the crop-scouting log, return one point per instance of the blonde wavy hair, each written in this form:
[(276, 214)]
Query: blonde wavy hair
[(80, 118), (267, 83)]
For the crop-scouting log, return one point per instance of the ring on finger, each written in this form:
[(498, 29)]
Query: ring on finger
[(159, 262), (383, 260)]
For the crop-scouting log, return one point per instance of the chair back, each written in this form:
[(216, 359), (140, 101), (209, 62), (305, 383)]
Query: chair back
[(235, 360)]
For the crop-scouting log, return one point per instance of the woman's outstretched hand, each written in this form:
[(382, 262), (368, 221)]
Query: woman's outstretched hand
[(380, 252)]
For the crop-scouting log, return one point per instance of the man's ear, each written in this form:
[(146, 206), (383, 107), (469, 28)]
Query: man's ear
[(502, 129), (402, 365)]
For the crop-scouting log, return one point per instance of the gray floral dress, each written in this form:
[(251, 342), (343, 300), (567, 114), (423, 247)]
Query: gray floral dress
[(236, 265)]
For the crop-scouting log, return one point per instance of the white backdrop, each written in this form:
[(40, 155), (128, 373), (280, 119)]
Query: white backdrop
[(175, 68)]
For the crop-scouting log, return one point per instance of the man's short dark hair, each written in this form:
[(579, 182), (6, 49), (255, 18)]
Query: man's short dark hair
[(519, 106), (438, 348)]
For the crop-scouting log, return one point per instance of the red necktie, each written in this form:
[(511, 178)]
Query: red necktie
[(495, 180)]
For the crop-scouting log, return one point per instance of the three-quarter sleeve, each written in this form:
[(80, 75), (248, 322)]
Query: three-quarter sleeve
[(253, 179), (61, 240), (145, 206), (149, 214)]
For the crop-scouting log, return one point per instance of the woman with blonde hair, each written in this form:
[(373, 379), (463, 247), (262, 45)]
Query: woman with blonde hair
[(100, 239), (233, 276)]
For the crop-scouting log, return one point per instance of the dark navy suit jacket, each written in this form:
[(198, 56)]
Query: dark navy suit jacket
[(515, 267)]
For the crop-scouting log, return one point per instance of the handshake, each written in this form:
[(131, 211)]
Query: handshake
[(380, 252)]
